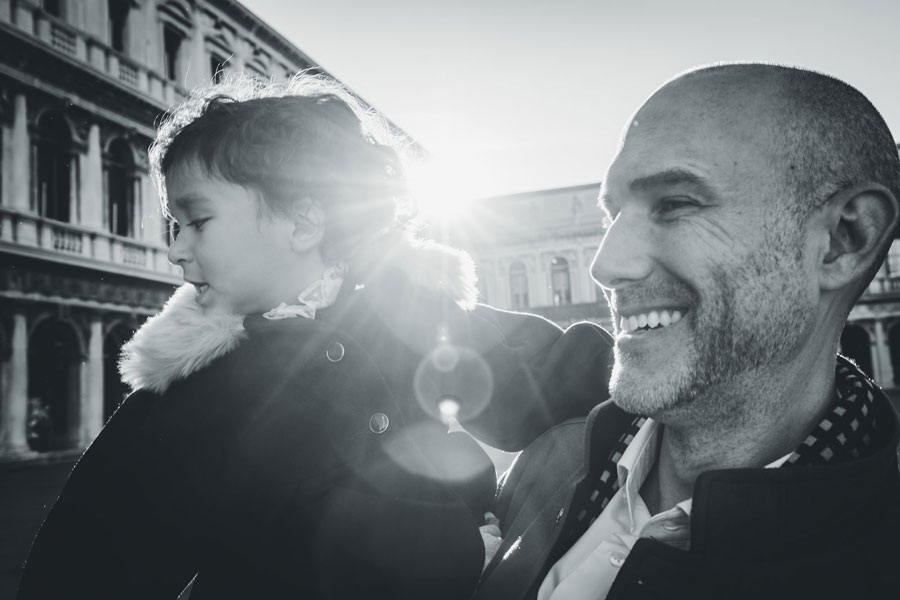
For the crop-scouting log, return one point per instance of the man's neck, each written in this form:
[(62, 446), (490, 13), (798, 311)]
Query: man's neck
[(750, 423)]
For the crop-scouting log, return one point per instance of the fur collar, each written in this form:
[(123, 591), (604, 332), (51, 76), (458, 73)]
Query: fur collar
[(181, 340)]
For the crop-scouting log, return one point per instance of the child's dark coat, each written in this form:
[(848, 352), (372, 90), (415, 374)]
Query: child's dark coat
[(261, 460)]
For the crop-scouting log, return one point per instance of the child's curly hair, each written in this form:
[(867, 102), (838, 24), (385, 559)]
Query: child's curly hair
[(305, 140)]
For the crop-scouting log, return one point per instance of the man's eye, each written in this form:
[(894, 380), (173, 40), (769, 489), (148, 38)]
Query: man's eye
[(670, 206)]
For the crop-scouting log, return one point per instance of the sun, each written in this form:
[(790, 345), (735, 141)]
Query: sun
[(442, 188)]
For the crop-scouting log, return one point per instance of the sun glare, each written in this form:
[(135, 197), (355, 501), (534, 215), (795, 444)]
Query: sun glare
[(441, 189)]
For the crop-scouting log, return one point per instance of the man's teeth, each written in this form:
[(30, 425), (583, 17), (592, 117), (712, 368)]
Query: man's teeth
[(655, 319)]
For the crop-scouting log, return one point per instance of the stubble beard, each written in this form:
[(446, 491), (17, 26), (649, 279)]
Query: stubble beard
[(751, 318)]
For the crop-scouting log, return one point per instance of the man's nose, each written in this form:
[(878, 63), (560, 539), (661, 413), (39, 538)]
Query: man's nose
[(625, 254)]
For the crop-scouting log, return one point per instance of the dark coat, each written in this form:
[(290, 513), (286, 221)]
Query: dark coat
[(263, 468), (804, 532)]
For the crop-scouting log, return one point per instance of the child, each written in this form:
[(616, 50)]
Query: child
[(284, 438)]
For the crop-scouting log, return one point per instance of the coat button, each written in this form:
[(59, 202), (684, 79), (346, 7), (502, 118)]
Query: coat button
[(335, 352), (378, 423)]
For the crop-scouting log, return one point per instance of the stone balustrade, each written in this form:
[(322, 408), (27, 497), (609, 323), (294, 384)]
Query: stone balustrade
[(28, 230), (98, 55)]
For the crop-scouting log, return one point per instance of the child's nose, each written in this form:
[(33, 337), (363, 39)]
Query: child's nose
[(178, 253)]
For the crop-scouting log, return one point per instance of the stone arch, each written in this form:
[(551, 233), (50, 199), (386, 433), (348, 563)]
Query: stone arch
[(54, 397), (120, 141), (114, 390), (856, 344)]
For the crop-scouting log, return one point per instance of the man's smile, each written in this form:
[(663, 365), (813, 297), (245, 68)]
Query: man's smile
[(632, 322)]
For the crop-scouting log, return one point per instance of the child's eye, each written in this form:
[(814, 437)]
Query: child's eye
[(198, 224), (174, 229)]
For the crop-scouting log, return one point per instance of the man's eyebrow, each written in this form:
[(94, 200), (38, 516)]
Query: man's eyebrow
[(670, 177)]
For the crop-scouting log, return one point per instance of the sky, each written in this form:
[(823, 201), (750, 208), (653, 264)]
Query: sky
[(519, 95)]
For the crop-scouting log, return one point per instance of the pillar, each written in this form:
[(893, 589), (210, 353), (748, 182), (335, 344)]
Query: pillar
[(91, 408), (197, 72), (14, 401), (882, 357), (93, 202), (19, 180)]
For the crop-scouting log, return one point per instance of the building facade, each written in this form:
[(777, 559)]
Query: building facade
[(82, 242), (533, 253)]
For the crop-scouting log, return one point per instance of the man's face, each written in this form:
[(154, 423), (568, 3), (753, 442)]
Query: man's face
[(708, 278)]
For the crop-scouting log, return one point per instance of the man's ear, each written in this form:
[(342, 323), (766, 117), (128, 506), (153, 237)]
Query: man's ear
[(860, 220), (309, 228)]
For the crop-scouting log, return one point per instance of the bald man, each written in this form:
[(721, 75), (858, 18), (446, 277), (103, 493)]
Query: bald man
[(739, 457)]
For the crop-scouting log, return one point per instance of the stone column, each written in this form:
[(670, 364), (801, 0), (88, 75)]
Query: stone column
[(197, 72), (19, 160), (91, 409), (93, 202), (151, 219), (539, 280), (502, 299), (14, 401), (881, 355)]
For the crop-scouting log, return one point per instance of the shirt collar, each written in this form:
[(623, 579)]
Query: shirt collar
[(319, 294), (639, 459)]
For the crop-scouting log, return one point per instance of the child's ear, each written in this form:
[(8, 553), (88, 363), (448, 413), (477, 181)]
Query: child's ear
[(309, 228)]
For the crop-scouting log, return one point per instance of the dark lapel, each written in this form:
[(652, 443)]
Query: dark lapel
[(536, 499)]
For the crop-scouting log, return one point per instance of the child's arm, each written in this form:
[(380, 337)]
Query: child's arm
[(102, 539), (542, 375)]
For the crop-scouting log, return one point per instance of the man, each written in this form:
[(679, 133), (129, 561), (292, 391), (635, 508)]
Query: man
[(749, 207)]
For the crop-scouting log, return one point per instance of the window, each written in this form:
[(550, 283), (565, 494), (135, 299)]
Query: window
[(172, 39), (559, 281), (52, 7), (118, 23), (518, 285), (121, 183), (53, 156), (216, 67)]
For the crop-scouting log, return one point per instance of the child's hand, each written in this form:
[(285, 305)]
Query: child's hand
[(490, 535)]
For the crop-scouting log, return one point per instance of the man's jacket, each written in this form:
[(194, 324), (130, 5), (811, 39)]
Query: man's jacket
[(802, 532)]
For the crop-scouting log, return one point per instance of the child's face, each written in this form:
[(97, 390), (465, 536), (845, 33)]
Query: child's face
[(239, 258)]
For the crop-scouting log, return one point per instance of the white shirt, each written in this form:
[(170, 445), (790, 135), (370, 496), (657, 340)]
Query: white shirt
[(588, 569)]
